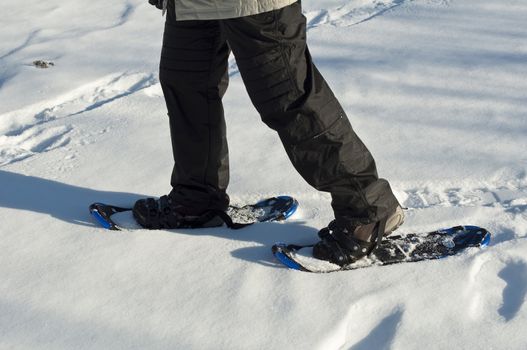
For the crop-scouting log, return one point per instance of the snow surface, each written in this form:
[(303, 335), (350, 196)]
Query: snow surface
[(436, 88)]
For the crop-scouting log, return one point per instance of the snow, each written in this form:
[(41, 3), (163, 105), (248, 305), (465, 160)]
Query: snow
[(437, 89)]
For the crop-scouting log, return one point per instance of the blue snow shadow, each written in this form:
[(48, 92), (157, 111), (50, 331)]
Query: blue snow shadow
[(515, 277), (70, 203), (267, 234), (261, 237), (65, 202), (383, 334)]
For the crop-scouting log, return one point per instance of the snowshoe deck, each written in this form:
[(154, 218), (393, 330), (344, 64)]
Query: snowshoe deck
[(392, 250), (270, 209)]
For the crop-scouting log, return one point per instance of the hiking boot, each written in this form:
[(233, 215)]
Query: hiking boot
[(394, 221), (345, 244), (163, 213)]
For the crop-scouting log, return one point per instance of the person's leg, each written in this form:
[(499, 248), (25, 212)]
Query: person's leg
[(292, 98), (194, 77)]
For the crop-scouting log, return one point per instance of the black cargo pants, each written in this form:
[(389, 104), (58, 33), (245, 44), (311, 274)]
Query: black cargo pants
[(289, 93)]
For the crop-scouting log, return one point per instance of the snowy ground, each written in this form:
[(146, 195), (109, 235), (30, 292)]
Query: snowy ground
[(436, 88)]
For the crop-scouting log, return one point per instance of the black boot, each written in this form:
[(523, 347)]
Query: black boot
[(343, 244), (163, 213)]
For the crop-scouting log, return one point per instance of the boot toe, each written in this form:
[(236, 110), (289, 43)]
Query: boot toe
[(328, 250), (141, 212)]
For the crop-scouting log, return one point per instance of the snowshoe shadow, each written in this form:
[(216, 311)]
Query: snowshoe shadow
[(68, 203), (261, 237), (268, 234)]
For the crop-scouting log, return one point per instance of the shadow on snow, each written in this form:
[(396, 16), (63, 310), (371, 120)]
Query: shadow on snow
[(70, 203)]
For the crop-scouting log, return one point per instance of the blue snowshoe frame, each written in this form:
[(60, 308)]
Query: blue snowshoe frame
[(462, 236), (279, 208)]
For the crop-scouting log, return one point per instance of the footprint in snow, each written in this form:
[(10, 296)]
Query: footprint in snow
[(26, 131), (515, 291)]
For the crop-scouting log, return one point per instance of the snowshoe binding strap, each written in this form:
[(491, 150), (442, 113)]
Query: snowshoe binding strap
[(359, 248), (340, 247)]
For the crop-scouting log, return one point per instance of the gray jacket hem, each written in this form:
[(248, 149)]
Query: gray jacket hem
[(212, 13)]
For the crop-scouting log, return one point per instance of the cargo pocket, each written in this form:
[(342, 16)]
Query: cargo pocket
[(310, 123), (318, 158)]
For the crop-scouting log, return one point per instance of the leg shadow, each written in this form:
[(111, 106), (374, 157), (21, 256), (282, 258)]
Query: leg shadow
[(267, 234), (65, 202), (70, 204)]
